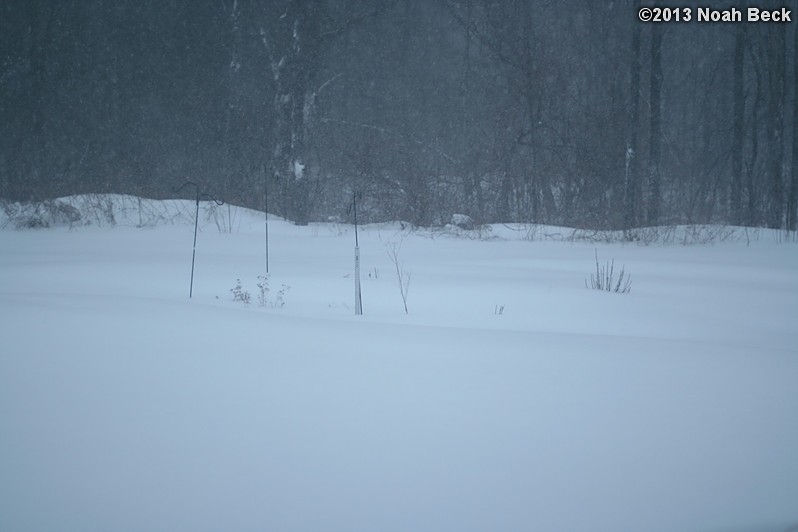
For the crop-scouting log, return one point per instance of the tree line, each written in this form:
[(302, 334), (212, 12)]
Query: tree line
[(568, 112)]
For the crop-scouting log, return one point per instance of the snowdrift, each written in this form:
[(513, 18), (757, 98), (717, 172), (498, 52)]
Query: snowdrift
[(510, 397)]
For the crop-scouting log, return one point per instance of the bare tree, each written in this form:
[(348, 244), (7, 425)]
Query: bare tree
[(293, 43), (655, 100), (792, 197), (738, 95), (632, 182), (776, 77)]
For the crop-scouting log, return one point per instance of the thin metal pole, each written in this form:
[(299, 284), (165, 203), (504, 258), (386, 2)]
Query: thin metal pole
[(358, 299), (194, 251), (266, 212), (354, 206), (200, 195)]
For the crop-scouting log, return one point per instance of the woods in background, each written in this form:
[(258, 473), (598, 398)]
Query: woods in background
[(571, 112)]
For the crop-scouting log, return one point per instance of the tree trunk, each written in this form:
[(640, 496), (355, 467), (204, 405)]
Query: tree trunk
[(738, 95), (776, 63), (35, 170), (631, 181), (233, 165), (655, 91), (294, 48), (792, 198)]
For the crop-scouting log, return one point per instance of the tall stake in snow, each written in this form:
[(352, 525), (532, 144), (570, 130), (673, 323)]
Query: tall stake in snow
[(266, 211), (358, 301), (194, 249), (196, 221)]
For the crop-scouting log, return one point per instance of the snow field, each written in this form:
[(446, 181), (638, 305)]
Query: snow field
[(126, 406)]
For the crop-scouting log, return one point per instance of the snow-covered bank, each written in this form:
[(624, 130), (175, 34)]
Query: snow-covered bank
[(509, 398)]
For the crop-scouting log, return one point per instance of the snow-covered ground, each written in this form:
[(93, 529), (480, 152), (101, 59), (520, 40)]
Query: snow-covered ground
[(509, 398)]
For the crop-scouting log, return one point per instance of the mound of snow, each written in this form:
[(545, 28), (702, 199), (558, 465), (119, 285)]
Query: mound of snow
[(125, 405)]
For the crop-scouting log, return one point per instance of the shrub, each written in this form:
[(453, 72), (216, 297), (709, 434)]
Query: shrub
[(263, 293), (41, 214), (239, 294), (604, 279)]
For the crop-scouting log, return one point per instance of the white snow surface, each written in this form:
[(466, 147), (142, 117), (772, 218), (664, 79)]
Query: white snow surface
[(509, 398)]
